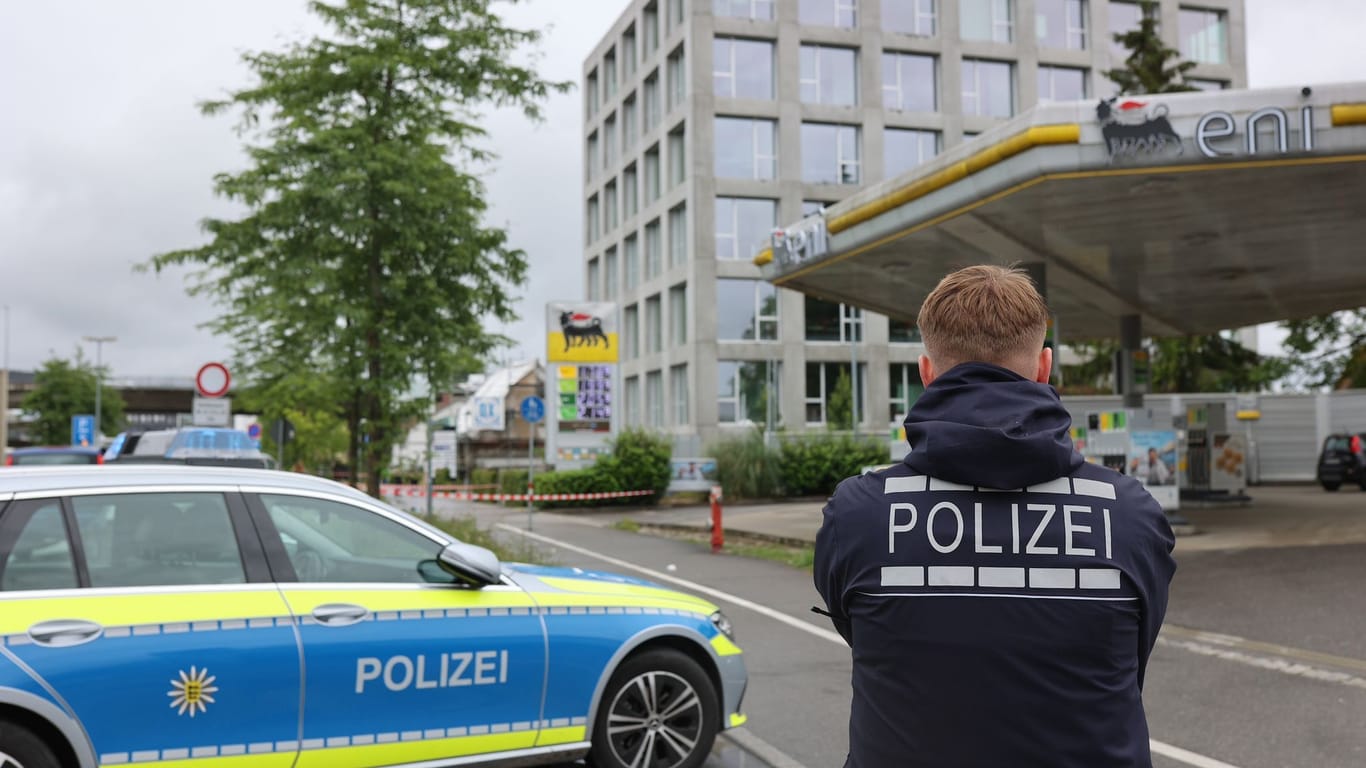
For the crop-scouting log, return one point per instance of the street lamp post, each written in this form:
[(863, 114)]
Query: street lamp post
[(99, 342)]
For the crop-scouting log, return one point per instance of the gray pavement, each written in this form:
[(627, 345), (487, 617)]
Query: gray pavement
[(1277, 516)]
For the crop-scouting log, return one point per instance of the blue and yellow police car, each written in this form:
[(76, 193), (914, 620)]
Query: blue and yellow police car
[(211, 616)]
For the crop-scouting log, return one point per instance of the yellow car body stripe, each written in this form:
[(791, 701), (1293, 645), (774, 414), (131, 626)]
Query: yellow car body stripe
[(303, 600), (737, 719), (554, 736), (16, 616), (370, 755), (724, 646), (633, 594), (282, 760)]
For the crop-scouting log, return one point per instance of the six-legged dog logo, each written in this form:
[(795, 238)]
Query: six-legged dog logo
[(581, 329), (1129, 129)]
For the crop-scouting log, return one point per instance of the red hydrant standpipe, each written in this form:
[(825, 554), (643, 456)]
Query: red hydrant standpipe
[(718, 537)]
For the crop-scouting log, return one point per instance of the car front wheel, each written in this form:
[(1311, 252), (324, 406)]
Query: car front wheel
[(21, 748), (660, 710), (1331, 486)]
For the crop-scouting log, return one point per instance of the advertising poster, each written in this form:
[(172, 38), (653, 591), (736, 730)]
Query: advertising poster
[(1153, 462), (697, 474)]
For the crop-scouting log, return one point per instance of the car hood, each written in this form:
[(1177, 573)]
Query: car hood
[(541, 578)]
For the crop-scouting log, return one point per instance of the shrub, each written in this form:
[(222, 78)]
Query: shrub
[(483, 476), (747, 468), (513, 481), (639, 461), (573, 481), (814, 464)]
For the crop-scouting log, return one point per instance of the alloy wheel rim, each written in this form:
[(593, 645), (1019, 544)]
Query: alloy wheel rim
[(7, 761), (654, 721)]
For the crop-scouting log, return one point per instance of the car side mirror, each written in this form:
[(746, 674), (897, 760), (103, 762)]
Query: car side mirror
[(470, 564)]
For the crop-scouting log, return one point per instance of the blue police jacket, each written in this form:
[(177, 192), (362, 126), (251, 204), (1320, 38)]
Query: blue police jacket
[(1001, 596)]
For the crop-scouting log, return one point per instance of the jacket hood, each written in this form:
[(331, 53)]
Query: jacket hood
[(980, 424)]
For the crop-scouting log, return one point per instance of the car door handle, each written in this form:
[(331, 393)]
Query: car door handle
[(340, 614), (60, 633)]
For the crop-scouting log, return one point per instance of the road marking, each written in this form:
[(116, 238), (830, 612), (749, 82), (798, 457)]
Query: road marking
[(1161, 748), (1267, 662), (824, 634), (1242, 643)]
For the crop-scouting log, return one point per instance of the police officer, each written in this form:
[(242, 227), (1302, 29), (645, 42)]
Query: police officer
[(1001, 596)]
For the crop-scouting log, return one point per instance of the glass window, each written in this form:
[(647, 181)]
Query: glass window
[(653, 186), (678, 315), (609, 214), (628, 123), (905, 390), (678, 235), (654, 399), (746, 148), (987, 88), (609, 76), (743, 225), (749, 392), (829, 75), (828, 13), (632, 251), (334, 542), (678, 78), (678, 390), (628, 52), (986, 20), (609, 142), (591, 157), (759, 10), (1124, 17), (1061, 84), (654, 325), (678, 162), (41, 555), (1204, 35), (909, 82), (630, 332), (631, 405), (821, 381), (909, 17), (1060, 23), (830, 154), (831, 321), (746, 310), (651, 21), (902, 331), (675, 14), (653, 243), (1207, 85), (611, 284), (904, 149), (594, 280), (591, 231), (652, 111), (742, 69), (590, 94), (144, 539), (630, 191)]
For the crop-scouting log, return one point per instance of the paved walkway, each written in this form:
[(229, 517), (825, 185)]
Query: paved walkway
[(1277, 516)]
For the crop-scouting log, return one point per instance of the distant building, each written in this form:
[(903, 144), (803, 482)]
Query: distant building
[(709, 122)]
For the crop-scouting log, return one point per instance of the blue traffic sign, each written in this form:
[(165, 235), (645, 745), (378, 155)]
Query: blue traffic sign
[(254, 430), (83, 430), (533, 409)]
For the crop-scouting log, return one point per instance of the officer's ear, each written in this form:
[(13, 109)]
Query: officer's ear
[(1045, 365), (927, 372)]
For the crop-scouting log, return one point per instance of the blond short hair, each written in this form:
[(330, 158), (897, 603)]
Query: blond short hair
[(985, 314)]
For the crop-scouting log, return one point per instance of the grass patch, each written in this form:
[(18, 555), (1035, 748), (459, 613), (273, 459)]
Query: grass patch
[(797, 557), (510, 549), (627, 524)]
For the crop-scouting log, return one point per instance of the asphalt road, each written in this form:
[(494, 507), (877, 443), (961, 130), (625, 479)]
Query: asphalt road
[(1262, 664)]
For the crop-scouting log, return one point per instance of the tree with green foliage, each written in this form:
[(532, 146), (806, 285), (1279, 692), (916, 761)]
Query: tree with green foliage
[(1330, 350), (840, 409), (362, 256), (65, 388), (1146, 69)]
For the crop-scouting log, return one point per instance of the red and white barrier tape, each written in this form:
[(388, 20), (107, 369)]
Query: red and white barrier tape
[(409, 491)]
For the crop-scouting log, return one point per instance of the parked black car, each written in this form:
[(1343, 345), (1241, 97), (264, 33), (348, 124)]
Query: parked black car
[(1343, 460)]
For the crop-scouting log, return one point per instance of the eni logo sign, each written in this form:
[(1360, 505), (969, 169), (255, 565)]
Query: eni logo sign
[(1221, 125)]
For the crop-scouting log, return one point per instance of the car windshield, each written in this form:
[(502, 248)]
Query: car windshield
[(1336, 443)]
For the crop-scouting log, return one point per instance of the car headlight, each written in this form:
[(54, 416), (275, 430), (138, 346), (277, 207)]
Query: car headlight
[(723, 625)]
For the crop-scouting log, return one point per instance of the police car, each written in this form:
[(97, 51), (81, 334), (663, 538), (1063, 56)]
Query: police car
[(213, 616)]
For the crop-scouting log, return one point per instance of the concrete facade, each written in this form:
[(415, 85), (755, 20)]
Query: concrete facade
[(674, 356)]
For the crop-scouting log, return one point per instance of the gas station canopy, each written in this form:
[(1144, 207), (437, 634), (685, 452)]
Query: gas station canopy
[(1197, 212)]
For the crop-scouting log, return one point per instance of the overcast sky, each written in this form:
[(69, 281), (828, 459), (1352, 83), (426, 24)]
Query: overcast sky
[(105, 159)]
